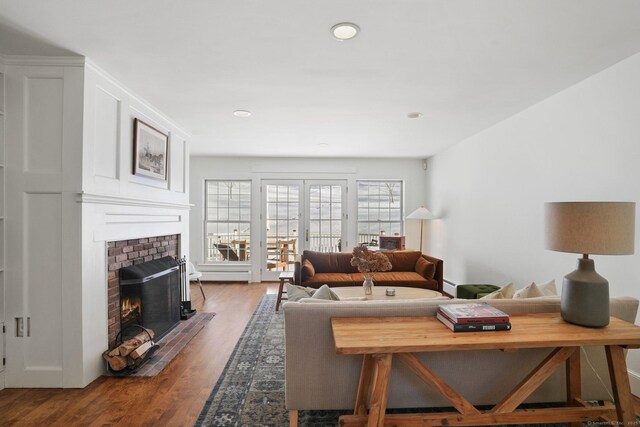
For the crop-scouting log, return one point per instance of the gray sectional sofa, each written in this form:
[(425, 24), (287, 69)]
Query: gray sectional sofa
[(317, 378)]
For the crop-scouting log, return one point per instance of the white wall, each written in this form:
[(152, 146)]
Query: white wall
[(256, 169), (489, 190), (117, 205)]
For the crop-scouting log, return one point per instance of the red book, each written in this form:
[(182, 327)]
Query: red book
[(470, 313)]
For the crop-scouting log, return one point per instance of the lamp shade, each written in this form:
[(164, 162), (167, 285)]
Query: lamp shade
[(421, 213), (601, 228)]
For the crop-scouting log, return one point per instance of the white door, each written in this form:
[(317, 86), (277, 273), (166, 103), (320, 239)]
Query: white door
[(298, 215), (282, 207)]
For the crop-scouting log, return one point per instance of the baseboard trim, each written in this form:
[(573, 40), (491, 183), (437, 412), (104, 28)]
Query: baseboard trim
[(634, 381), (449, 287), (231, 276)]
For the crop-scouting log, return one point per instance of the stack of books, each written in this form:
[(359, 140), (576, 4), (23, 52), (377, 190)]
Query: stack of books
[(473, 317)]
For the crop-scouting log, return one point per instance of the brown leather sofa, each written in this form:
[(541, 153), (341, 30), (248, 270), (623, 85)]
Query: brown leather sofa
[(409, 269)]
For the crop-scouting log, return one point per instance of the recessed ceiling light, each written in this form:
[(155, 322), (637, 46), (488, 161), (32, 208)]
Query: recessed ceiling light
[(242, 113), (323, 144), (414, 115), (345, 31)]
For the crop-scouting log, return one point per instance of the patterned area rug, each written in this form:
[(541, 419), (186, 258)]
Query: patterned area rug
[(250, 391)]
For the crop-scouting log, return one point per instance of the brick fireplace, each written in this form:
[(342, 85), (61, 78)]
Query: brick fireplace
[(124, 253)]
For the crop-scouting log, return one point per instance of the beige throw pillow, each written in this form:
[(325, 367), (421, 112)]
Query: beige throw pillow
[(324, 292), (535, 291), (295, 293), (548, 289), (531, 291), (502, 293)]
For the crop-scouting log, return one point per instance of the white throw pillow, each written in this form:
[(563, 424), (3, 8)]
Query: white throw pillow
[(502, 293), (531, 291), (548, 289)]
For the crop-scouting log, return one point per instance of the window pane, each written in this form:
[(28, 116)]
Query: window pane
[(379, 209), (228, 228)]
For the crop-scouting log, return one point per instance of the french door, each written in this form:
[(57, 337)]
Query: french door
[(299, 215)]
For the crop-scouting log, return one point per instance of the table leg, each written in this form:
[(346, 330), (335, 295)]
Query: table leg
[(378, 404), (574, 384), (620, 384), (279, 294), (364, 385)]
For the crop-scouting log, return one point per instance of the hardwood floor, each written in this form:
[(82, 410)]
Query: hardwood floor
[(173, 398)]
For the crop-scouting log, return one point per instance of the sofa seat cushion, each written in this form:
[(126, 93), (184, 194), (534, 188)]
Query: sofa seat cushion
[(331, 279), (409, 279)]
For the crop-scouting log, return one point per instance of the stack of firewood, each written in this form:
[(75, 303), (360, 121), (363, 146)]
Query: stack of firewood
[(129, 351)]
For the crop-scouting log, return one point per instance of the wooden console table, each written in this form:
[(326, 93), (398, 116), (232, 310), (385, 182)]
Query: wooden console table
[(380, 338)]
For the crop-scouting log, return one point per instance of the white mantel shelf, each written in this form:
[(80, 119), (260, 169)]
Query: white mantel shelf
[(129, 201)]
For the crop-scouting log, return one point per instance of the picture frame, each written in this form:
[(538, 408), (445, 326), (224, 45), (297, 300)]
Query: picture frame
[(150, 148)]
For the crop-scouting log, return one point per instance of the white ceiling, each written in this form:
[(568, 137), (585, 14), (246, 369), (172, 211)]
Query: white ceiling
[(465, 64)]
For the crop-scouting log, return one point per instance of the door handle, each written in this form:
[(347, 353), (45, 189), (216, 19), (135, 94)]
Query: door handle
[(20, 327), (306, 235)]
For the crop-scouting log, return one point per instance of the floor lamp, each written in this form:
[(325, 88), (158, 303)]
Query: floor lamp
[(421, 213)]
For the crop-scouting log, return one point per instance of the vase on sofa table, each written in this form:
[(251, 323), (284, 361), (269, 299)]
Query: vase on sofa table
[(368, 284)]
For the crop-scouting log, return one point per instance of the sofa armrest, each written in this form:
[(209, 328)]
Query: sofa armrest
[(439, 274), (297, 270)]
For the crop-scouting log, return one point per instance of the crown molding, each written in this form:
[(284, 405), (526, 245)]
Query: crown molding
[(130, 201), (66, 61)]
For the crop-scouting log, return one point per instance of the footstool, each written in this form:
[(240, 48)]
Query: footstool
[(288, 276), (474, 291)]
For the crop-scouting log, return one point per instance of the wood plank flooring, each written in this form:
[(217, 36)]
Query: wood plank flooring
[(173, 398)]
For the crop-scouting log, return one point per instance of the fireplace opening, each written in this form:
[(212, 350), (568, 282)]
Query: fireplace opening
[(150, 297)]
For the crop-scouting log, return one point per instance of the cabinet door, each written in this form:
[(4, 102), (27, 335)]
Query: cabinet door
[(37, 211)]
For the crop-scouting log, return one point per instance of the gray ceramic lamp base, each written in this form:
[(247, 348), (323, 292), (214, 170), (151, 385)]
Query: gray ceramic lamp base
[(585, 296)]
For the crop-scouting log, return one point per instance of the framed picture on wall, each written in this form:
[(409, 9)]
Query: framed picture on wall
[(149, 151)]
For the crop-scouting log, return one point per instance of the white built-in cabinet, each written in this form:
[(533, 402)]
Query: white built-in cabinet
[(2, 224), (66, 135), (42, 282)]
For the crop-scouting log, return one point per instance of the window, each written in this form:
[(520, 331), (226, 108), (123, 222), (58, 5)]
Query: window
[(227, 221), (379, 210)]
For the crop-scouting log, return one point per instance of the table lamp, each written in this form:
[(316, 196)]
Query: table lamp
[(601, 228), (421, 213)]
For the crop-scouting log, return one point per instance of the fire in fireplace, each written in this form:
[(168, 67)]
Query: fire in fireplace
[(131, 311), (150, 297)]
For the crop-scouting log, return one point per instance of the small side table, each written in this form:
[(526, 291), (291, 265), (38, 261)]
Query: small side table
[(285, 275)]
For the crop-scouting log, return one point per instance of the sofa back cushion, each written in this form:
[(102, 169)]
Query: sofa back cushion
[(403, 260), (330, 262)]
